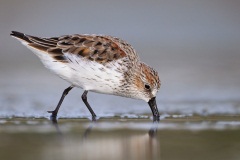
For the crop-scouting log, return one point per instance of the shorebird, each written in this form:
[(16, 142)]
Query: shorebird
[(97, 63)]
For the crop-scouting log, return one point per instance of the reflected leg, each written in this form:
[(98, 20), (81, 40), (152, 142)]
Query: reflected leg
[(153, 130)]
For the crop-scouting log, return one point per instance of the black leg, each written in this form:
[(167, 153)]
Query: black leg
[(54, 113), (84, 98)]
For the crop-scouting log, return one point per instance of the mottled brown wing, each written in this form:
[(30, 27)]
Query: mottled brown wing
[(102, 49), (99, 48), (91, 47)]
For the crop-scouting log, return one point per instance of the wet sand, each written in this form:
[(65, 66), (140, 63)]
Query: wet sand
[(195, 137)]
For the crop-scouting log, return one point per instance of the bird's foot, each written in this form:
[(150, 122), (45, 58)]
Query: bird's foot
[(94, 118), (156, 118), (53, 116)]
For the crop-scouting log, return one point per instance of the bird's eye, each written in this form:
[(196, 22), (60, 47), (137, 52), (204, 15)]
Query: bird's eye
[(147, 86)]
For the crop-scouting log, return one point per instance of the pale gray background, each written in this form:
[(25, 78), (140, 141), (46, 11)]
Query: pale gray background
[(193, 44)]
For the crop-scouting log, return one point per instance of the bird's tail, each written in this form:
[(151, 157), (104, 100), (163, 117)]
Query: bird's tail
[(20, 36)]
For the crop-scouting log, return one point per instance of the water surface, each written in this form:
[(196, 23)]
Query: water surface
[(215, 138)]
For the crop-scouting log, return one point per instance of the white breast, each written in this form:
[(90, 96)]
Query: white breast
[(94, 76)]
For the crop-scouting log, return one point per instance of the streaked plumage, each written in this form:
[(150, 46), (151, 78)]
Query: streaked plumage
[(98, 63)]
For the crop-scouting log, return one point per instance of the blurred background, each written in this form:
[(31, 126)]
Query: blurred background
[(193, 44)]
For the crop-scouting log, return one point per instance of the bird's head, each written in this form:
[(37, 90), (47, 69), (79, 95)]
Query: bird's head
[(146, 84)]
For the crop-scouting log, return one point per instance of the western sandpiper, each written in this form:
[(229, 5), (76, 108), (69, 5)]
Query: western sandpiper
[(97, 63)]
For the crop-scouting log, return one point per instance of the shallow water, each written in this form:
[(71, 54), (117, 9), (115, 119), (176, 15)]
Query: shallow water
[(121, 138)]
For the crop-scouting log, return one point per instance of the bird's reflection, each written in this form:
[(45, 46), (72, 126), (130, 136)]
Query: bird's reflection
[(111, 144), (85, 134)]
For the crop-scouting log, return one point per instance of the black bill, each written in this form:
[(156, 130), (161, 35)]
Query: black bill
[(153, 105)]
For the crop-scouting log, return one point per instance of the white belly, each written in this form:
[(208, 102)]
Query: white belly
[(85, 74)]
